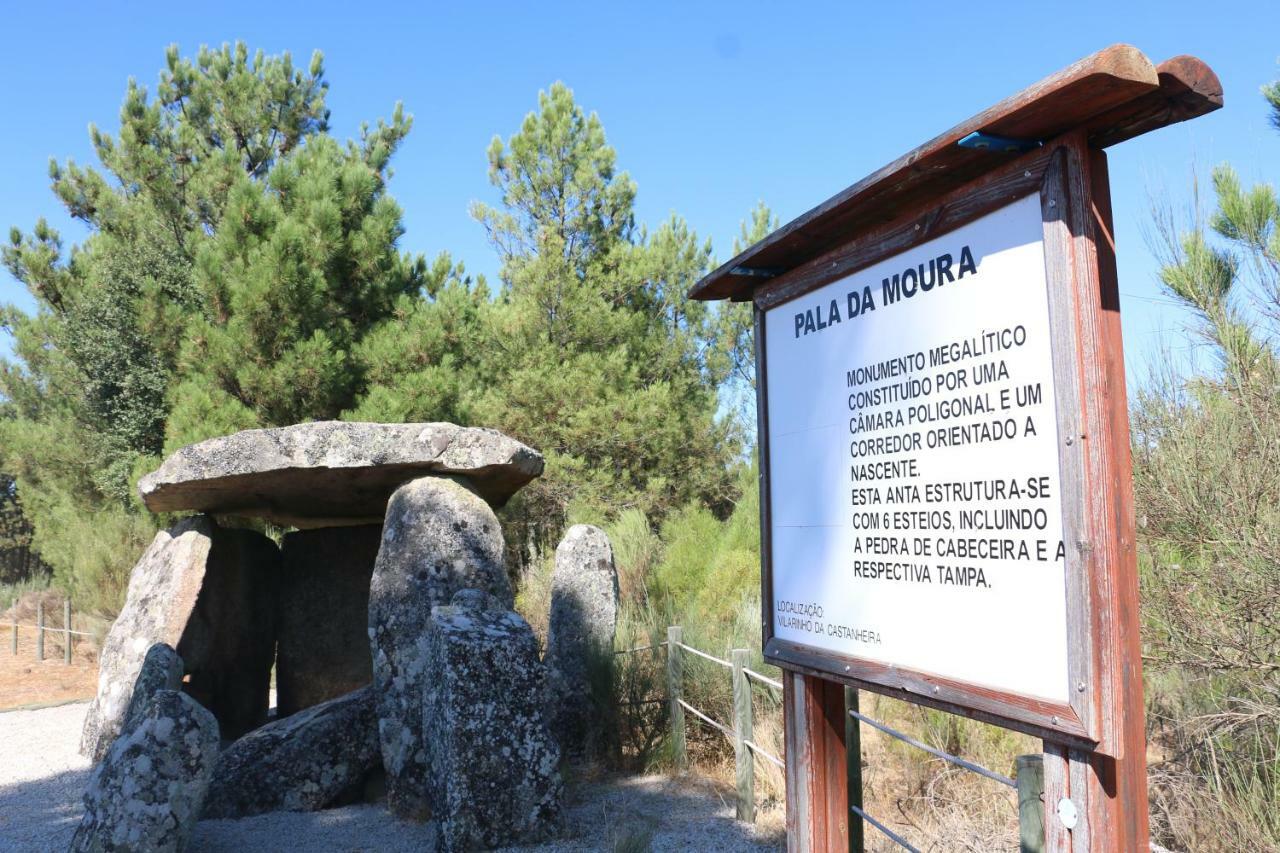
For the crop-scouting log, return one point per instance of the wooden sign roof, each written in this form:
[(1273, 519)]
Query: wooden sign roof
[(1115, 94)]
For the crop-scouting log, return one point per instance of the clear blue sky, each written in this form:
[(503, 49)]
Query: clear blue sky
[(711, 106)]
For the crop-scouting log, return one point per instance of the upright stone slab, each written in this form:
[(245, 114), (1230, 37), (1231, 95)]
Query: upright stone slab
[(229, 641), (198, 588), (300, 763), (494, 777), (162, 593), (322, 640), (148, 791), (580, 634), (439, 537), (162, 669)]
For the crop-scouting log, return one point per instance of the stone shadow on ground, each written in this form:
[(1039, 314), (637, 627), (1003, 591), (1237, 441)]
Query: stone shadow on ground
[(42, 814), (669, 814), (672, 814), (41, 804)]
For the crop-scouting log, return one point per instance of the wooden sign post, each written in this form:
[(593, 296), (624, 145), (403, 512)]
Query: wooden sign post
[(947, 508)]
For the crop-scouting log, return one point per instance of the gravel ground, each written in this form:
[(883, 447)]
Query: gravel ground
[(42, 780)]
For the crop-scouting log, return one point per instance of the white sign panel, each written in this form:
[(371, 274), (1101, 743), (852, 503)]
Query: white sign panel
[(913, 462)]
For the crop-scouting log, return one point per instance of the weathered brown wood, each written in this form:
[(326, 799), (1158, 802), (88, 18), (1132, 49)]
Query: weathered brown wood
[(1062, 222), (766, 499), (798, 760), (1021, 713), (828, 699), (958, 208), (743, 731), (1045, 171), (1107, 790), (66, 631), (1063, 101), (675, 692), (817, 802), (1095, 747), (1093, 459), (1118, 790), (1188, 89), (1107, 554), (1057, 787)]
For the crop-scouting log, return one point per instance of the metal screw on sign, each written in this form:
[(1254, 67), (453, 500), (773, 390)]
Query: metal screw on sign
[(1067, 813)]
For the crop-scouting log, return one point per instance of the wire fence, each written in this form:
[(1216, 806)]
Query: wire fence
[(42, 629), (1028, 784), (739, 732)]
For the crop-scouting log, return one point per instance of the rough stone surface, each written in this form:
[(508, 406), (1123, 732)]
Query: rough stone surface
[(195, 590), (162, 593), (322, 638), (162, 669), (43, 778), (331, 472), (494, 777), (580, 633), (229, 642), (299, 763), (147, 792), (439, 537)]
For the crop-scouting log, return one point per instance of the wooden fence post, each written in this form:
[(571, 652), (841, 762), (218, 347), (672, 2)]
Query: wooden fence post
[(66, 627), (744, 761), (817, 764), (14, 612), (1030, 778), (853, 760), (39, 630), (675, 690)]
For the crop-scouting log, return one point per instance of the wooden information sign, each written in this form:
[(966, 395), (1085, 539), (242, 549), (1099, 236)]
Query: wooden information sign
[(946, 494)]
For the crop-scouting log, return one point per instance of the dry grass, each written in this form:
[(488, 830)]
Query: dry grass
[(934, 804), (931, 803), (24, 680)]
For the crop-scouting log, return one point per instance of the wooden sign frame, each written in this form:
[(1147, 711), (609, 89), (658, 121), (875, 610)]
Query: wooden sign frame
[(1101, 585), (1094, 744)]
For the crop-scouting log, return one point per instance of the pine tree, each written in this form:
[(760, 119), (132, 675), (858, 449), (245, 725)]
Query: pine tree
[(735, 329), (18, 559), (600, 358), (589, 350), (1206, 448), (237, 256)]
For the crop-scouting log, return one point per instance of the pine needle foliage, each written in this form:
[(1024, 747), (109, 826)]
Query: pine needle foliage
[(1206, 448), (237, 256)]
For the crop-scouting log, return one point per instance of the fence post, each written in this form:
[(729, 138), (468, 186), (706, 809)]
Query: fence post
[(675, 690), (744, 761), (66, 626), (14, 611), (1030, 778), (853, 762), (39, 630)]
